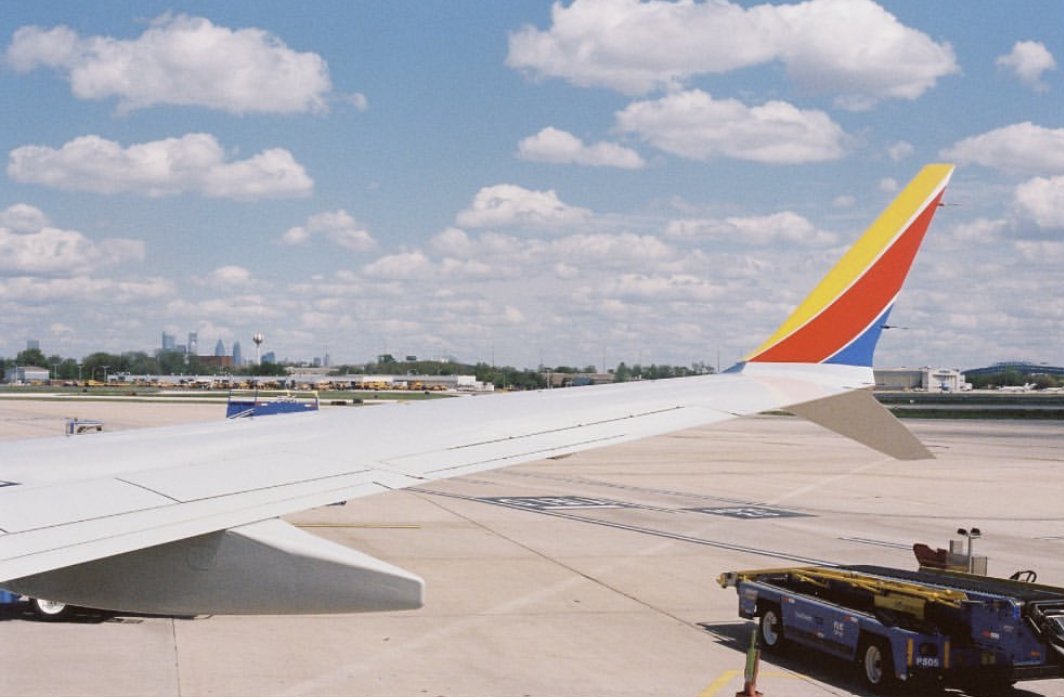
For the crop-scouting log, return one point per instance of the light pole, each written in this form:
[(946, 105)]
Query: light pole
[(972, 535), (258, 339)]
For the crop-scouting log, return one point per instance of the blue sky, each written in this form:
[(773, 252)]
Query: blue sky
[(534, 183)]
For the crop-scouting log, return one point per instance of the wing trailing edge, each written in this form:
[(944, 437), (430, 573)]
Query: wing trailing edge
[(269, 567)]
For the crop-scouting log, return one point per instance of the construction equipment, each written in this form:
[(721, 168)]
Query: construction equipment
[(898, 625)]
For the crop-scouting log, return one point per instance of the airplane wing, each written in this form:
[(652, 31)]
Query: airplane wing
[(184, 519)]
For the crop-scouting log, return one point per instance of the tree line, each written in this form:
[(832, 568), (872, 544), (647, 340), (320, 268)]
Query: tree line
[(508, 377), (97, 366)]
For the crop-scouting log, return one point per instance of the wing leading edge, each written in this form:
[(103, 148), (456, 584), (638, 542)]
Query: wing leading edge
[(180, 519)]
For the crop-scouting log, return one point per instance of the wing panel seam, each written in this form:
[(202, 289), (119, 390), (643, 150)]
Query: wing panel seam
[(148, 489), (526, 453), (615, 419)]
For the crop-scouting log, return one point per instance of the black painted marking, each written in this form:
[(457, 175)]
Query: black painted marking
[(553, 503), (877, 543), (616, 525), (751, 512)]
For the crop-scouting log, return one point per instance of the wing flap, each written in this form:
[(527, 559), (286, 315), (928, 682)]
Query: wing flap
[(79, 541), (263, 568)]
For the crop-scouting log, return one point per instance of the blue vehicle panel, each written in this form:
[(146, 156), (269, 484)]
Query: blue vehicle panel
[(949, 626)]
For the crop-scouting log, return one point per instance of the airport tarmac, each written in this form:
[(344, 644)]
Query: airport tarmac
[(589, 576)]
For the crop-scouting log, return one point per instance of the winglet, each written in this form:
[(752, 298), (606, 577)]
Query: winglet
[(841, 320)]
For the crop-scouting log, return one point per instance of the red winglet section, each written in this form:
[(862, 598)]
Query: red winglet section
[(841, 319)]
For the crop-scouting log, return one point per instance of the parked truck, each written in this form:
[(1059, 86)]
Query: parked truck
[(903, 626)]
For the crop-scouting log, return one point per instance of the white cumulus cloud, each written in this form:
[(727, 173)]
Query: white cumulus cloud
[(338, 226), (452, 241), (979, 231), (900, 150), (180, 60), (1028, 60), (1020, 147), (29, 245), (84, 289), (22, 217), (194, 163), (1042, 200), (694, 125), (229, 276), (399, 266), (509, 205), (853, 48), (561, 147), (860, 51), (658, 288), (786, 226), (605, 249), (1041, 251)]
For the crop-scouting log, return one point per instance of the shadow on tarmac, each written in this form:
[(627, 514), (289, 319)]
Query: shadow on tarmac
[(22, 610), (79, 615)]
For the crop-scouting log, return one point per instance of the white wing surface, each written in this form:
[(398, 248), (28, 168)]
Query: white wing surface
[(181, 519)]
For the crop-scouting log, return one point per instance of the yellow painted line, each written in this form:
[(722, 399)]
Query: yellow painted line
[(729, 675), (722, 680)]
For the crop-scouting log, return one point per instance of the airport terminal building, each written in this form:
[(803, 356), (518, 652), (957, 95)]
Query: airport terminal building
[(922, 379), (1024, 369), (26, 375)]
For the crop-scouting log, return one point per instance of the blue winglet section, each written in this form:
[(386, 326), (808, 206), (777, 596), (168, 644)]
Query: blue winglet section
[(860, 350)]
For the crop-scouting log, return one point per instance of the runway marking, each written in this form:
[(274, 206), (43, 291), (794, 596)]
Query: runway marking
[(722, 680), (751, 512), (587, 481), (877, 543), (718, 544), (554, 503)]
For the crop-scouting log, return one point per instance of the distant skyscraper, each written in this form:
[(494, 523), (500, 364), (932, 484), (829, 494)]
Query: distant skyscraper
[(193, 343), (269, 357), (32, 344), (219, 348), (169, 342), (238, 358)]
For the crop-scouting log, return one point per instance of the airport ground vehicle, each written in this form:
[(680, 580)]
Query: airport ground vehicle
[(243, 403), (49, 610), (898, 625)]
